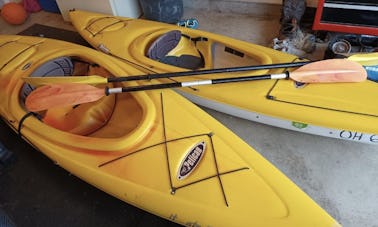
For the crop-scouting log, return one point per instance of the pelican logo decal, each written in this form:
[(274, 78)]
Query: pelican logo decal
[(191, 160)]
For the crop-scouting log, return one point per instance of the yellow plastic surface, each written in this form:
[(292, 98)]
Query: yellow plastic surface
[(137, 154)]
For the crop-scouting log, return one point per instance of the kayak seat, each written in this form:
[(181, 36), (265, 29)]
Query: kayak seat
[(61, 66), (176, 49)]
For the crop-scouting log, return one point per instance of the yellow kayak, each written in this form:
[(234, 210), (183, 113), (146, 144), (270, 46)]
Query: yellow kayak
[(152, 149), (338, 110)]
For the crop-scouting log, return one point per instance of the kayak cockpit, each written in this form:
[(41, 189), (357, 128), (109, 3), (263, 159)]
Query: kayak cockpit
[(181, 50), (176, 50), (103, 118)]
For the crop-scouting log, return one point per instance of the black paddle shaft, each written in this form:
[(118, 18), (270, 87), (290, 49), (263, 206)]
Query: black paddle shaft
[(196, 83), (208, 71)]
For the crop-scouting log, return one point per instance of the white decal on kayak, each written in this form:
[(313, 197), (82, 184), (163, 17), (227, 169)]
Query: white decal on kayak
[(191, 160)]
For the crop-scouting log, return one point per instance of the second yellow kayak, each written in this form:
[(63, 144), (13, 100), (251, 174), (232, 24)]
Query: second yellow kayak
[(339, 110)]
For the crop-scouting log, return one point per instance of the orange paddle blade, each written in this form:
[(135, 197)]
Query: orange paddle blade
[(58, 95), (330, 71)]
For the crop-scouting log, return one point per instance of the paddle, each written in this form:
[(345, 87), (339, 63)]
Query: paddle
[(370, 59), (94, 79), (67, 94)]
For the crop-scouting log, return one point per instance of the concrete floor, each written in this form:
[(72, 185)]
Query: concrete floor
[(339, 175)]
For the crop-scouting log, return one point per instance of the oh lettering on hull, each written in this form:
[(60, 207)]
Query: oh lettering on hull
[(358, 136)]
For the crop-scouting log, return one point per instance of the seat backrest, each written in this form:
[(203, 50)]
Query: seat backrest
[(176, 49)]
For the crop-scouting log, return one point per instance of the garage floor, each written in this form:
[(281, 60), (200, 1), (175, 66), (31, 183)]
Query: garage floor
[(339, 175)]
